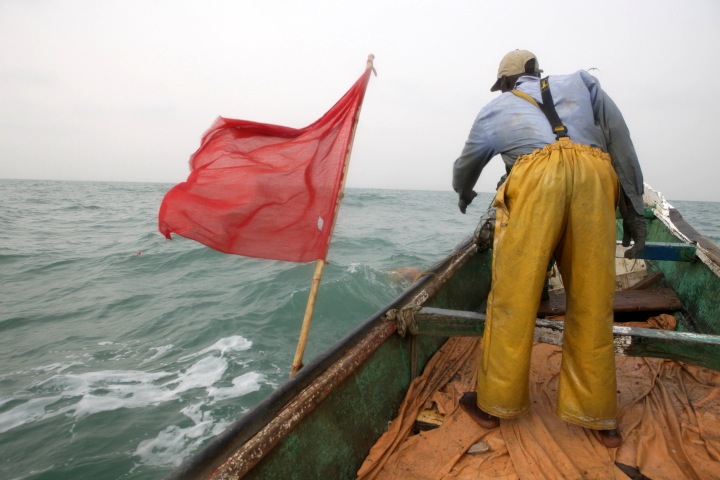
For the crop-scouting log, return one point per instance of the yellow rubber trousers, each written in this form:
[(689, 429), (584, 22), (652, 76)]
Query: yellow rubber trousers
[(557, 201)]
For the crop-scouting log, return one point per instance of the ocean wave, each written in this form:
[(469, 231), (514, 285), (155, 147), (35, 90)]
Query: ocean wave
[(85, 394), (175, 442), (170, 446)]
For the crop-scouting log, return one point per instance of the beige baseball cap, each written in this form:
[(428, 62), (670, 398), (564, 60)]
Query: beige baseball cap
[(514, 64)]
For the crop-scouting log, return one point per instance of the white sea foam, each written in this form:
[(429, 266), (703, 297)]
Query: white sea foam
[(174, 443), (159, 351), (201, 375), (83, 394), (56, 367), (242, 385), (30, 411), (52, 367), (235, 343)]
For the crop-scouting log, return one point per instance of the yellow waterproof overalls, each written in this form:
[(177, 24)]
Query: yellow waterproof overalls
[(557, 201)]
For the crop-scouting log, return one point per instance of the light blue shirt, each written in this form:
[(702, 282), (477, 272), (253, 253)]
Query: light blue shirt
[(511, 126)]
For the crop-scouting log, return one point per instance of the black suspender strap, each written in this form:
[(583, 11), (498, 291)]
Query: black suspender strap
[(548, 108)]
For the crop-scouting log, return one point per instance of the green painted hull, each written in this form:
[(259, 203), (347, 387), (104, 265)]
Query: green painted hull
[(323, 421)]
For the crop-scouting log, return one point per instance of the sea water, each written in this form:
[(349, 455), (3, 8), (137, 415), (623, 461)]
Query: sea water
[(122, 353)]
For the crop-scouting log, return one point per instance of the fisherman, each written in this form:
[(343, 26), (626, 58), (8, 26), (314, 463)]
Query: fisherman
[(570, 160)]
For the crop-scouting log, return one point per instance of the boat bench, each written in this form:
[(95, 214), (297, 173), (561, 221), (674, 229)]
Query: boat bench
[(636, 299), (697, 349), (656, 300), (694, 348), (431, 321)]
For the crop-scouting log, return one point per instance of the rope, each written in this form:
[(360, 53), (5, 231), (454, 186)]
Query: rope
[(404, 318)]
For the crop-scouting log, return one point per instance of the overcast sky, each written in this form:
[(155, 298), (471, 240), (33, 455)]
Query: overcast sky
[(121, 90)]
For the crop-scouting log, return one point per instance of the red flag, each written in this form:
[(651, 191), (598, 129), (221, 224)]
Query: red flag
[(263, 190)]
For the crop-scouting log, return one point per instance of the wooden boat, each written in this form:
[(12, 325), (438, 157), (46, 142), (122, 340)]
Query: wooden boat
[(323, 422)]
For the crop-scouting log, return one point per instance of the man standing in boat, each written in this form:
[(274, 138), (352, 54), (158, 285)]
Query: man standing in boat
[(570, 160)]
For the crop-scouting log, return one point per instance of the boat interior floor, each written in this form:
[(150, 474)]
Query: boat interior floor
[(669, 418)]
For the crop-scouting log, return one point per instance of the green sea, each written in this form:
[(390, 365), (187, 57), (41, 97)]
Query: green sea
[(122, 353)]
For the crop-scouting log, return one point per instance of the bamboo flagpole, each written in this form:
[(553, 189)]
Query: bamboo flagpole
[(320, 265)]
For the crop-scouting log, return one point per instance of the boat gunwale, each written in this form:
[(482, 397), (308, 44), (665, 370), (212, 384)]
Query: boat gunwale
[(213, 454), (707, 251)]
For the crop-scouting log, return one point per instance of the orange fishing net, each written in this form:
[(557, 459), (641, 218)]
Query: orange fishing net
[(668, 416)]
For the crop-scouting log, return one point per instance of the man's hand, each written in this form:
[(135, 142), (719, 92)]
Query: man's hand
[(633, 227), (466, 200)]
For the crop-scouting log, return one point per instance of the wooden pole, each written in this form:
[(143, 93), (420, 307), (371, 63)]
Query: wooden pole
[(320, 265), (307, 320)]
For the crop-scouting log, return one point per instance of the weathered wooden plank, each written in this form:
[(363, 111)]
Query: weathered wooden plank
[(697, 349), (674, 252), (648, 281), (656, 300)]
